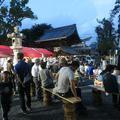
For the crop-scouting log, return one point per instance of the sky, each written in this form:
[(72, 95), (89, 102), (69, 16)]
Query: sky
[(83, 13)]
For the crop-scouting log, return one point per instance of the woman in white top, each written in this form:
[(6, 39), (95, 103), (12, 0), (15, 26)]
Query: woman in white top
[(46, 76), (96, 72), (35, 74)]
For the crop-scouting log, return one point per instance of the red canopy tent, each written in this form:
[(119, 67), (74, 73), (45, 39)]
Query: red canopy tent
[(30, 52), (5, 51), (45, 52)]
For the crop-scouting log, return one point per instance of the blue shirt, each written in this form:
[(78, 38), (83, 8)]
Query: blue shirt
[(22, 69), (90, 70)]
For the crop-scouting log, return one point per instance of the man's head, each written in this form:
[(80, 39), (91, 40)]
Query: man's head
[(5, 75), (20, 56), (63, 62), (109, 68), (75, 65), (43, 65), (10, 61), (37, 61)]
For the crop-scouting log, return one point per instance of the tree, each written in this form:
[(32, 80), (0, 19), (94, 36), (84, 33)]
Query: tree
[(105, 36), (116, 12), (93, 45), (13, 14), (39, 29), (35, 32), (1, 2)]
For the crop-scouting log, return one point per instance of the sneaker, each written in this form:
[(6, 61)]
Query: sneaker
[(14, 93), (24, 112), (5, 119), (29, 109)]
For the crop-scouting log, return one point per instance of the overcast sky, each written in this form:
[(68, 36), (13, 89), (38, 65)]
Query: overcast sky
[(59, 13)]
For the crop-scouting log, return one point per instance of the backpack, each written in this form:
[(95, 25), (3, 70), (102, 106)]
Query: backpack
[(49, 81), (110, 83)]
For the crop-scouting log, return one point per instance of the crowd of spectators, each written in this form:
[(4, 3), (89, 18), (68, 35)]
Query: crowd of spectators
[(62, 74)]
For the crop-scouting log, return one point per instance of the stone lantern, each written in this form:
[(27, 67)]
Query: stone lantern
[(16, 37)]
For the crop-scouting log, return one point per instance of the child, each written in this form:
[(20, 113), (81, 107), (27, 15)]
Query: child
[(6, 94)]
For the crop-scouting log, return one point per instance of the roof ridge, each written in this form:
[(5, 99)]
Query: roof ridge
[(54, 29), (59, 33)]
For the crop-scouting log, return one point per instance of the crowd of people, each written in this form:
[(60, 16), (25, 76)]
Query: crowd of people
[(62, 74)]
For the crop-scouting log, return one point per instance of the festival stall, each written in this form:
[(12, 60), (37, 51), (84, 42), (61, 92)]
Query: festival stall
[(6, 51)]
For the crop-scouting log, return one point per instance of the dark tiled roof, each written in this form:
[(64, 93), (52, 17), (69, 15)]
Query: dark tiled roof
[(58, 33), (69, 50)]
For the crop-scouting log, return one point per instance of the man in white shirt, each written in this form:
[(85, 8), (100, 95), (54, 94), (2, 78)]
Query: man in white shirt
[(36, 79), (66, 84), (66, 79), (81, 68)]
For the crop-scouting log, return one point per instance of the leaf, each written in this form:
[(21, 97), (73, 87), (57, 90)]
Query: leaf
[(4, 10), (14, 15)]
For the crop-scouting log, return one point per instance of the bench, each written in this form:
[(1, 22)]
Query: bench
[(68, 103), (97, 94), (97, 87)]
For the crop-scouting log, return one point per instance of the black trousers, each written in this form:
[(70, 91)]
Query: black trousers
[(69, 93), (5, 105), (116, 99), (13, 81), (80, 108), (24, 92)]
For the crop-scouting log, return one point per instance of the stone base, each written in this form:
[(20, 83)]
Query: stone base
[(69, 111), (46, 98)]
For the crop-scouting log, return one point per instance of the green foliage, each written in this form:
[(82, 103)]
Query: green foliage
[(105, 36), (13, 14), (1, 2), (35, 32), (116, 12), (39, 29)]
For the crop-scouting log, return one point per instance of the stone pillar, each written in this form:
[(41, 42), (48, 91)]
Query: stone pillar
[(15, 51), (16, 37)]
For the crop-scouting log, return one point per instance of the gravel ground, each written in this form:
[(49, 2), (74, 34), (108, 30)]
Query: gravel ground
[(55, 111)]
